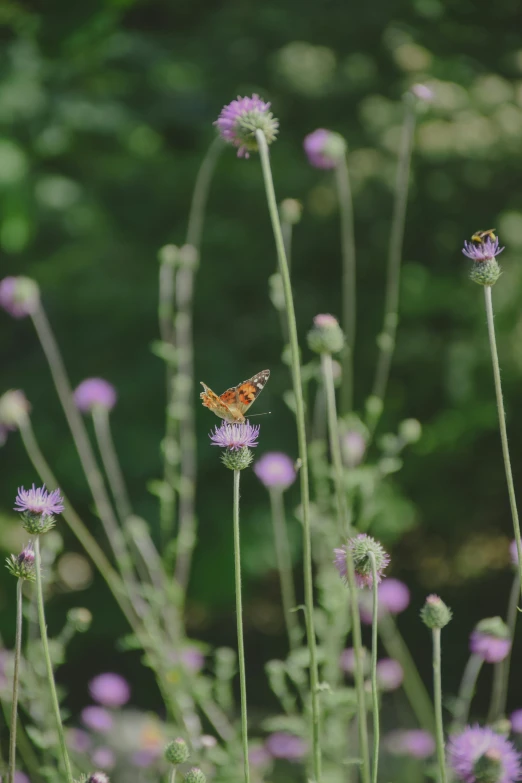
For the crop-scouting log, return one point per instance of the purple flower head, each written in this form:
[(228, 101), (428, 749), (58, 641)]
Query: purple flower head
[(104, 758), (394, 597), (361, 546), (190, 657), (467, 750), (79, 740), (347, 660), (324, 149), (38, 501), (325, 320), (416, 743), (239, 120), (275, 470), (482, 251), (14, 408), (97, 719), (235, 436), (516, 722), (353, 445), (490, 640), (259, 756), (109, 690), (19, 296), (422, 92), (282, 745), (93, 393), (389, 674), (98, 777)]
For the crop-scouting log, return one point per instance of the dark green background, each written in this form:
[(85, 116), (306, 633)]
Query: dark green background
[(106, 110)]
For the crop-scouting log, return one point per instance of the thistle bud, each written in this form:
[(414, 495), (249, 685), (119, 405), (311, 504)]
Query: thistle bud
[(291, 210), (14, 409), (98, 777), (239, 121), (435, 613), (19, 296), (80, 618), (483, 249), (326, 336), (177, 752), (195, 775), (22, 566)]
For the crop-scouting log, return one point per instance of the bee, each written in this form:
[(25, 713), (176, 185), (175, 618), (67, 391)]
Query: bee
[(479, 237)]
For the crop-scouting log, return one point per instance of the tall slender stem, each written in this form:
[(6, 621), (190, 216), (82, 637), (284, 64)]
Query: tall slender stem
[(501, 673), (502, 425), (172, 776), (340, 491), (239, 618), (81, 440), (16, 680), (386, 339), (284, 565), (437, 692), (302, 448), (467, 691), (183, 387), (48, 663), (349, 300), (375, 691), (102, 428)]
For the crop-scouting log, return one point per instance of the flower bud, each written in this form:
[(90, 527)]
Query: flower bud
[(19, 296), (410, 430), (14, 409), (22, 566), (435, 613), (326, 336), (291, 210), (237, 459), (195, 775), (239, 121), (80, 618), (177, 752), (486, 273), (98, 777)]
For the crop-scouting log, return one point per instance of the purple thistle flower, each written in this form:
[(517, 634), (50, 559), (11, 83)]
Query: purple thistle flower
[(360, 547), (394, 597), (190, 657), (39, 501), (275, 470), (347, 660), (417, 743), (282, 745), (235, 436), (97, 719), (324, 148), (104, 758), (21, 777), (466, 749), (239, 120), (19, 296), (483, 251), (516, 722), (79, 740), (353, 445), (259, 756), (145, 758), (490, 640), (94, 392), (109, 690), (389, 674), (98, 777)]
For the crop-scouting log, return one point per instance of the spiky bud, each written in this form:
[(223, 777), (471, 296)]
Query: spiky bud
[(177, 752), (195, 775), (435, 613), (326, 336), (22, 565), (237, 459)]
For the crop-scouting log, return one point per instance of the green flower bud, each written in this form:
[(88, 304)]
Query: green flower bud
[(410, 430), (326, 335), (80, 618), (237, 459), (14, 409), (195, 775), (22, 566), (177, 752), (291, 210), (435, 613), (37, 524), (485, 272)]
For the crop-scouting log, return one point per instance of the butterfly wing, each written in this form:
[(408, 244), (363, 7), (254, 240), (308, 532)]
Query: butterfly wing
[(216, 404), (246, 392)]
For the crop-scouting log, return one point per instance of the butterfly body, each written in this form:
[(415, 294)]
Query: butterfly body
[(235, 402)]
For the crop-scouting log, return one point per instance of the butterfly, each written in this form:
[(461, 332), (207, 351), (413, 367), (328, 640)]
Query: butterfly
[(234, 403)]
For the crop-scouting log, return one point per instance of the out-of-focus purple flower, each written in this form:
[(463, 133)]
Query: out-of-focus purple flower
[(19, 296), (239, 120), (482, 251), (275, 470), (104, 758), (38, 501), (235, 436), (79, 740), (516, 722), (353, 446), (417, 743), (513, 551), (347, 660), (95, 393), (190, 657), (97, 719), (324, 149), (282, 745), (476, 744), (110, 690), (21, 777), (208, 741), (361, 546), (422, 92), (259, 756), (389, 674), (490, 640), (145, 758), (394, 597)]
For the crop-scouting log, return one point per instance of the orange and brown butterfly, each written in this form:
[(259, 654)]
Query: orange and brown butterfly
[(234, 403)]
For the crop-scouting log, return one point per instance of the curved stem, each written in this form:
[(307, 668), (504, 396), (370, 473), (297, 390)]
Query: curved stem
[(102, 428), (16, 681), (502, 425), (501, 673), (344, 523), (467, 691), (302, 448), (239, 618), (437, 692), (375, 691), (48, 663), (349, 313), (386, 339), (284, 565)]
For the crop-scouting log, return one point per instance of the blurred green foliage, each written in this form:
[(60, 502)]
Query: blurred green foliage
[(106, 110)]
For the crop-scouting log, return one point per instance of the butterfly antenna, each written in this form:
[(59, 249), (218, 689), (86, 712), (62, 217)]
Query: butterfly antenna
[(266, 413)]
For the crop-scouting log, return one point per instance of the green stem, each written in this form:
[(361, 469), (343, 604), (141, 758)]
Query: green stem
[(184, 386), (386, 339), (239, 618), (48, 663), (502, 425), (344, 524), (501, 673), (284, 565), (437, 692), (16, 680), (413, 685), (349, 313), (302, 448), (102, 428), (466, 691), (172, 776), (375, 691)]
